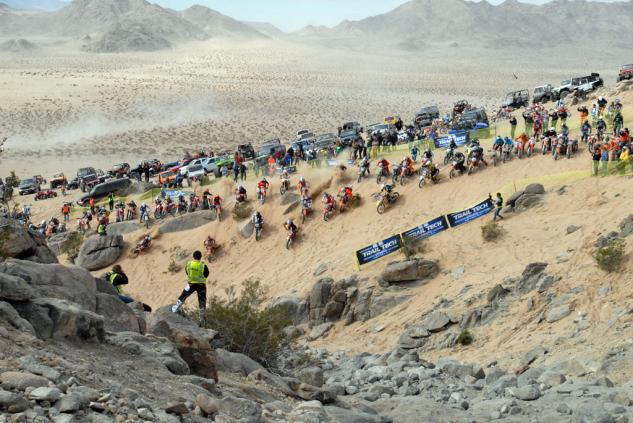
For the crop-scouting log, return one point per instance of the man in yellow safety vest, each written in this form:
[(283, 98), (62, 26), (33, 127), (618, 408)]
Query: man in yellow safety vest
[(197, 274)]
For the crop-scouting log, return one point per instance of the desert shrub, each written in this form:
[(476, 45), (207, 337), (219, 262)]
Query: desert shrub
[(246, 327), (242, 211), (413, 247), (465, 338), (609, 257), (491, 231), (173, 267), (72, 245)]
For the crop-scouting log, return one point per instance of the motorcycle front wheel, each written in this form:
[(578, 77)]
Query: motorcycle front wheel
[(381, 208), (422, 182)]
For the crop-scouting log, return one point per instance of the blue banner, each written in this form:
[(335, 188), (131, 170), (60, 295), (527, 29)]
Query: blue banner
[(378, 250), (468, 215), (173, 194), (460, 138), (427, 229)]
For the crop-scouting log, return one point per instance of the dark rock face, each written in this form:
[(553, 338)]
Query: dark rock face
[(19, 243)]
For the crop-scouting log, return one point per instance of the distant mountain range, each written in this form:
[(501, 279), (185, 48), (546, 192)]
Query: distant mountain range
[(49, 5), (421, 24), (125, 25)]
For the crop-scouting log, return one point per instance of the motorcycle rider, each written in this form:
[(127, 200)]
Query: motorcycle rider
[(601, 127), (498, 144), (385, 165), (291, 228), (427, 157), (345, 194), (618, 123), (328, 202), (414, 152), (211, 246), (144, 243), (257, 219), (306, 204), (303, 186), (458, 162), (240, 194), (144, 210), (262, 186)]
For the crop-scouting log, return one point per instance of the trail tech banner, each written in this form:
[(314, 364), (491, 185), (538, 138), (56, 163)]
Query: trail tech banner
[(460, 138), (171, 193), (426, 230), (470, 214), (378, 250)]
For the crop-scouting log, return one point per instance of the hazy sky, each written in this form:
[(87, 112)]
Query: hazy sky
[(294, 14)]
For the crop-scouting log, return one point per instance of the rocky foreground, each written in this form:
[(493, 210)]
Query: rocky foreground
[(71, 351)]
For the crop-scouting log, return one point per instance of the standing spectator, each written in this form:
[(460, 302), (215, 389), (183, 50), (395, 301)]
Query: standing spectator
[(236, 171), (146, 171), (66, 212), (91, 203), (513, 126), (242, 171), (604, 158), (111, 201)]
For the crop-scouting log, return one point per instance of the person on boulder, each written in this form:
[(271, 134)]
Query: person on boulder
[(118, 278), (197, 274)]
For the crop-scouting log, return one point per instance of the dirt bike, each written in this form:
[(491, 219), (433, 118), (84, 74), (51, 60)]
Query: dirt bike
[(304, 213), (382, 173), (572, 147), (546, 145), (141, 247), (455, 170), (506, 152), (285, 186), (120, 213), (386, 200), (560, 149), (449, 156), (261, 194), (292, 236), (193, 205), (131, 213), (530, 147), (362, 171), (328, 211), (520, 148), (258, 230), (145, 219), (495, 157), (475, 163), (218, 211), (160, 212), (426, 173)]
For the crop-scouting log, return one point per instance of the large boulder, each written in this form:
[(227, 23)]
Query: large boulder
[(14, 288), (55, 281), (409, 271), (53, 318), (295, 308), (60, 242), (9, 315), (17, 242), (118, 317), (151, 348), (193, 343), (99, 252), (187, 222), (537, 189), (236, 363)]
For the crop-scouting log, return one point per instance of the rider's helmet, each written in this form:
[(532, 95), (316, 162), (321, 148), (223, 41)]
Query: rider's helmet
[(302, 179), (264, 179), (289, 222), (149, 237), (240, 187), (143, 205), (382, 187), (601, 98)]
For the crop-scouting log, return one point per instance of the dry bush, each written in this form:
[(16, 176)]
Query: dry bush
[(465, 338), (72, 245), (491, 232), (245, 326), (413, 247), (609, 257)]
